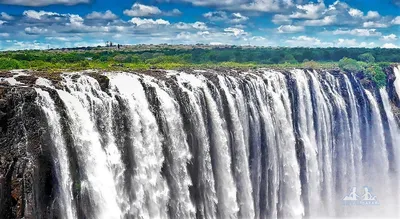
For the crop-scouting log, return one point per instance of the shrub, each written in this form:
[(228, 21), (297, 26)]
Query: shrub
[(366, 57), (8, 64), (377, 75), (351, 65)]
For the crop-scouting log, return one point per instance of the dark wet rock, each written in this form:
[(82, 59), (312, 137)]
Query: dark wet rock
[(103, 80), (25, 160), (26, 79)]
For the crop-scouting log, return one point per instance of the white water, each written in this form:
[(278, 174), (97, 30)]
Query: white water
[(396, 71), (97, 179), (263, 144), (63, 171), (149, 188)]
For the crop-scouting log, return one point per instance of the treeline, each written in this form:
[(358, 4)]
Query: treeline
[(259, 56)]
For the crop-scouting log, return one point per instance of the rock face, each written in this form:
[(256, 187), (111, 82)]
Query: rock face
[(30, 187), (25, 160)]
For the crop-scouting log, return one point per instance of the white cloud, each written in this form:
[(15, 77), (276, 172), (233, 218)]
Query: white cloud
[(200, 25), (174, 12), (43, 2), (216, 15), (367, 45), (390, 37), (35, 30), (38, 14), (223, 16), (328, 20), (238, 18), (5, 16), (390, 46), (396, 20), (306, 41), (290, 29), (235, 31), (358, 32), (347, 43), (243, 5), (309, 11), (187, 26), (372, 15), (355, 12), (281, 19), (108, 15), (370, 24), (65, 39), (148, 22), (140, 10)]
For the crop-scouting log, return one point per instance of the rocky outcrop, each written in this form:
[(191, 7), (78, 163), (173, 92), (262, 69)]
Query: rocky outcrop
[(25, 161)]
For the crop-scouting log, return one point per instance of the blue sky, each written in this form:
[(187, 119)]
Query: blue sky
[(39, 24)]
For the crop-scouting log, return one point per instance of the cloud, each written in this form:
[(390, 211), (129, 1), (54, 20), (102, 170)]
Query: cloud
[(186, 26), (390, 46), (328, 20), (308, 11), (36, 3), (242, 5), (38, 15), (396, 20), (141, 10), (306, 41), (35, 30), (65, 39), (290, 29), (355, 12), (235, 31), (238, 18), (358, 32), (107, 15), (148, 22), (372, 15), (216, 16), (390, 37), (370, 24), (174, 12), (281, 19), (338, 13), (5, 16)]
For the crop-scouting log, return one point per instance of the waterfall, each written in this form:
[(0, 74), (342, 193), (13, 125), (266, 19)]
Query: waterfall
[(396, 71), (213, 144), (62, 163)]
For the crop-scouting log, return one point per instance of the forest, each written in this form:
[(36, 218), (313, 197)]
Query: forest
[(369, 61)]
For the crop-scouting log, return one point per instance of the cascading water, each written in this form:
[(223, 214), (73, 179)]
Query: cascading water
[(258, 144)]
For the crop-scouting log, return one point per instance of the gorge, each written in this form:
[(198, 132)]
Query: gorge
[(218, 143)]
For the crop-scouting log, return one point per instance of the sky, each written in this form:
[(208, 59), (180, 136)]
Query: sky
[(42, 24)]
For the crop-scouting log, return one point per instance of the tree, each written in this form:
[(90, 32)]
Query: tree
[(366, 57), (348, 64)]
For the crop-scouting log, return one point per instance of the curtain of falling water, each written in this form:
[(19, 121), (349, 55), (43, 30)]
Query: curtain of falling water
[(261, 144), (63, 171)]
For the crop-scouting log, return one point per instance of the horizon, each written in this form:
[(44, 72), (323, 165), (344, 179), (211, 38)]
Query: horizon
[(208, 46), (43, 24)]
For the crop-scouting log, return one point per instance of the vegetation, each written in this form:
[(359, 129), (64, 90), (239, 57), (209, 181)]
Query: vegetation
[(369, 61)]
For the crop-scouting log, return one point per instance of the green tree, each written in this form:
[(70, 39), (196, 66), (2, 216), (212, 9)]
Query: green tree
[(8, 64), (366, 57), (348, 64)]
